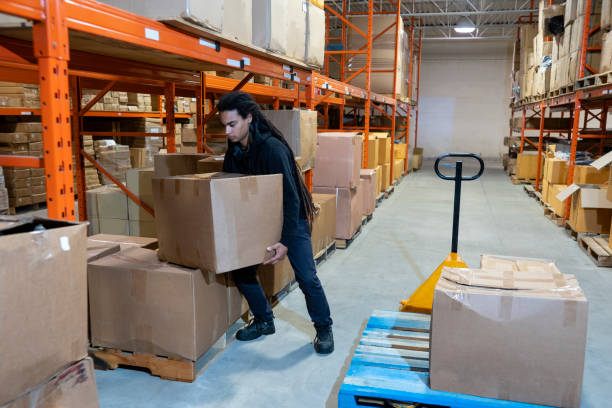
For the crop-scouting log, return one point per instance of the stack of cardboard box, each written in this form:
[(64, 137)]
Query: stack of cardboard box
[(18, 95), (372, 160), (324, 223), (25, 186), (554, 180), (384, 158), (527, 165), (606, 33), (368, 183), (338, 161), (44, 315), (113, 158), (400, 151)]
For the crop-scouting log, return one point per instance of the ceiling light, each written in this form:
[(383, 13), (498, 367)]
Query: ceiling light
[(465, 26)]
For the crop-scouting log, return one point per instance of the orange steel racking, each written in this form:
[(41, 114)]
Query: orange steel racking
[(387, 107), (77, 44), (587, 98)]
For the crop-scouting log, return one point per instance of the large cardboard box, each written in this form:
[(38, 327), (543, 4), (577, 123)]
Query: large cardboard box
[(280, 26), (338, 160), (72, 386), (218, 222), (299, 127), (379, 183), (400, 150), (511, 335), (138, 303), (555, 170), (43, 300), (348, 210), (368, 188), (238, 20), (373, 146), (107, 211), (211, 164), (417, 158), (557, 205), (398, 168), (208, 14), (175, 164), (274, 278), (527, 165), (386, 174), (384, 148), (315, 33), (586, 174), (140, 182), (324, 224), (590, 211)]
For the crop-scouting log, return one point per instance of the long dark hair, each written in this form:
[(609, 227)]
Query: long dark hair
[(244, 104)]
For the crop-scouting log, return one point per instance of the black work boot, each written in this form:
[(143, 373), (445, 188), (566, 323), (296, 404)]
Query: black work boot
[(324, 342), (255, 329)]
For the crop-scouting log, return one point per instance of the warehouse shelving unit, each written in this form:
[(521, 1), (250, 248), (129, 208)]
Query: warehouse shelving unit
[(589, 98), (78, 44), (396, 111)]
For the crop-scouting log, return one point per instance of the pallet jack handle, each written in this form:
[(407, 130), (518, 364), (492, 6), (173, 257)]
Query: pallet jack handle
[(458, 177)]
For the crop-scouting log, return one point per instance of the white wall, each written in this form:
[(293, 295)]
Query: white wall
[(464, 97)]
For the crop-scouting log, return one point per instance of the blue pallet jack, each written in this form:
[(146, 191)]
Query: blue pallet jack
[(390, 367)]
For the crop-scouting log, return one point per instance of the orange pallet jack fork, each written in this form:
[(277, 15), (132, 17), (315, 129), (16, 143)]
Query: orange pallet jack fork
[(421, 300)]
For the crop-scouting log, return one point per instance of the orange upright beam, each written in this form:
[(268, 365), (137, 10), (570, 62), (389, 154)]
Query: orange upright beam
[(51, 50)]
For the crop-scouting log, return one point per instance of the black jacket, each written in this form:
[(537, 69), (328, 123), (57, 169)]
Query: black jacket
[(266, 154)]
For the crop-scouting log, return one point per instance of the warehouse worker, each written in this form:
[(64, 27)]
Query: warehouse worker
[(256, 146)]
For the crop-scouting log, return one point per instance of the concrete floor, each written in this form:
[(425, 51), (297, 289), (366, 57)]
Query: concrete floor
[(406, 240)]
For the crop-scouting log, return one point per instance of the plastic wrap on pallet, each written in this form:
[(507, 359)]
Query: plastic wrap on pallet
[(114, 158)]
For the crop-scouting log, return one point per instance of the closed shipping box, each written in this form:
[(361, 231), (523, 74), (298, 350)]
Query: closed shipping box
[(373, 146), (274, 278), (384, 150), (511, 335), (176, 164), (43, 301), (348, 210), (299, 127), (590, 211), (211, 164), (368, 187), (324, 223), (217, 222), (138, 303), (555, 170), (400, 150), (527, 166), (339, 158), (589, 175), (386, 174)]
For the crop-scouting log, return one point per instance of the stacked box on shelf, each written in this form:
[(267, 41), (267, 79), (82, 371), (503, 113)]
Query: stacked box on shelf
[(114, 158), (384, 158), (4, 201), (25, 139), (528, 33), (18, 95), (338, 162)]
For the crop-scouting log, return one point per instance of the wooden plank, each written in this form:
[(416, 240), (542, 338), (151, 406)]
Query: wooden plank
[(604, 243)]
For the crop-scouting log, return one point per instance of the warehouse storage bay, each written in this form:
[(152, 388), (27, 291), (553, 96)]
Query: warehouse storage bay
[(305, 203)]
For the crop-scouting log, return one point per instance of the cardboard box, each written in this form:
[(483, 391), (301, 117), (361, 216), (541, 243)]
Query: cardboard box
[(368, 187), (299, 127), (557, 205), (386, 174), (72, 386), (44, 300), (339, 158), (97, 249), (384, 149), (586, 174), (140, 304), (315, 34), (527, 165), (378, 171), (272, 22), (373, 145), (417, 158), (398, 168), (140, 182), (545, 190), (107, 211), (208, 14), (518, 336), (555, 170), (141, 228), (400, 150), (324, 224), (217, 222), (274, 278), (211, 164), (590, 211), (348, 210), (237, 22), (176, 164)]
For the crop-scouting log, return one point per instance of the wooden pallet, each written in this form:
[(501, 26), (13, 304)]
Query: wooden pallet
[(325, 253), (390, 368), (379, 198), (389, 191), (538, 197), (516, 180), (597, 248), (552, 216), (344, 243), (25, 208), (167, 368), (290, 287), (529, 189), (586, 82), (366, 218)]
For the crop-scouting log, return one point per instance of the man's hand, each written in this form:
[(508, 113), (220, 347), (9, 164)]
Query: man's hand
[(280, 251)]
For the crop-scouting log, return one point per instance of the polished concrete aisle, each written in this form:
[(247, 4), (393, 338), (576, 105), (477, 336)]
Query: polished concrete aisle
[(406, 240)]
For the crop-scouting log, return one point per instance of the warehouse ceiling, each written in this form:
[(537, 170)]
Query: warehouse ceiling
[(493, 19)]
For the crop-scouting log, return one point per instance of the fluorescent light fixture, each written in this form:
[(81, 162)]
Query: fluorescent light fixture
[(465, 26)]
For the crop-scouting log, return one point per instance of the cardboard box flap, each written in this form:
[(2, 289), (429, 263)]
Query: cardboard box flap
[(501, 263), (603, 161), (567, 192), (13, 225), (509, 280)]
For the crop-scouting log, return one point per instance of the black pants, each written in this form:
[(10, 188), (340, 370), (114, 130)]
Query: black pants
[(301, 258)]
